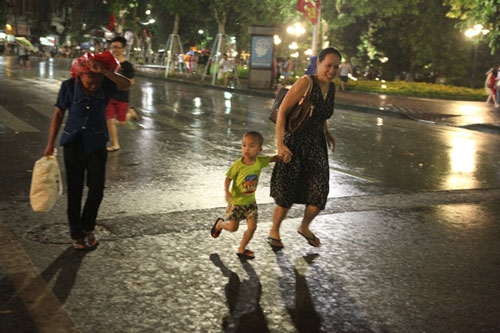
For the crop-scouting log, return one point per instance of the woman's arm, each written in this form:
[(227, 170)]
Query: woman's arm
[(330, 140), (57, 119), (291, 99)]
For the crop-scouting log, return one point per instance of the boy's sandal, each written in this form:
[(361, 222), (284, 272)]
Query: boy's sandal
[(247, 254), (214, 232)]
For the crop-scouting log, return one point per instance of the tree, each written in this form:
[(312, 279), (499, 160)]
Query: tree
[(472, 12), (417, 37)]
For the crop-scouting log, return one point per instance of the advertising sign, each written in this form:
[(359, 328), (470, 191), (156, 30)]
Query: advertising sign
[(262, 52)]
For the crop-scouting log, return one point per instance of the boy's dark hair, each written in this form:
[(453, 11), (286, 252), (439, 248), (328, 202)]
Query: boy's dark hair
[(119, 39), (256, 135)]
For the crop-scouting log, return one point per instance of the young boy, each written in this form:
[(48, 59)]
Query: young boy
[(244, 174)]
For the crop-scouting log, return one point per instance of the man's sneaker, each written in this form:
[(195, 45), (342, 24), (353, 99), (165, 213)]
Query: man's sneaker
[(79, 244), (91, 240)]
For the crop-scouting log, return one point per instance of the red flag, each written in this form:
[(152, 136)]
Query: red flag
[(111, 22), (309, 9), (301, 4), (311, 13)]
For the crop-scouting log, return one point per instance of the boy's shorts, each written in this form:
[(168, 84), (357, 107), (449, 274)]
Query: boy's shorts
[(117, 109), (238, 213)]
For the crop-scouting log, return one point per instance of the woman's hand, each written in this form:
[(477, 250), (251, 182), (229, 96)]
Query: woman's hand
[(284, 153), (96, 66), (49, 150), (330, 140)]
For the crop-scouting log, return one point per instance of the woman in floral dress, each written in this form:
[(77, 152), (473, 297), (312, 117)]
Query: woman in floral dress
[(302, 175)]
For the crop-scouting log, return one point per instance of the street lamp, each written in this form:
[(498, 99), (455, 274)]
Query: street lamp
[(472, 34), (296, 30)]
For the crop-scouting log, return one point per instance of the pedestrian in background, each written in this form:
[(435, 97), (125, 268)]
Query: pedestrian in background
[(118, 110), (302, 174), (497, 86), (287, 70), (494, 86), (180, 61), (244, 177), (227, 68), (311, 68), (85, 97), (345, 70), (487, 86)]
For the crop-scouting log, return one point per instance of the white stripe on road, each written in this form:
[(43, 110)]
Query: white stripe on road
[(45, 110), (14, 123), (355, 175), (44, 307)]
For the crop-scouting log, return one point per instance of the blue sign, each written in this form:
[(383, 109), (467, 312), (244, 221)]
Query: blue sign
[(262, 52)]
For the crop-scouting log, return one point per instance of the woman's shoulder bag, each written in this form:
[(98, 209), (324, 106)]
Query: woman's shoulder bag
[(300, 113)]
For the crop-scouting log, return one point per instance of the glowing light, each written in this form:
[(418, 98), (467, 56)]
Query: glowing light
[(296, 29)]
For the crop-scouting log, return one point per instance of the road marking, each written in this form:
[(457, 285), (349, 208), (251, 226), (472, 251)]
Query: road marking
[(355, 175), (14, 123), (43, 306), (46, 111)]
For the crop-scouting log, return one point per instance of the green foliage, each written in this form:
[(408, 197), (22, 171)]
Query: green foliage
[(472, 12), (242, 72), (418, 89)]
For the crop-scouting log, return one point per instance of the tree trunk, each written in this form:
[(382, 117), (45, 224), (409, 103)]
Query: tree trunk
[(410, 77), (176, 24)]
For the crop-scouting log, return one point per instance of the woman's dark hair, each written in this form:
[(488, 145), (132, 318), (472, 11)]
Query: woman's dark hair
[(329, 50)]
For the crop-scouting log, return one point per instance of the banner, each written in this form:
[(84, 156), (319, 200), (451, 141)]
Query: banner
[(111, 22), (310, 9)]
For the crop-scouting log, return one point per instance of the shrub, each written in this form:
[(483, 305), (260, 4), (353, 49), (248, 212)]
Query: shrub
[(418, 89)]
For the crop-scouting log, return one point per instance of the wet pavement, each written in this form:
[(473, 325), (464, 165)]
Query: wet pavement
[(409, 236), (467, 114)]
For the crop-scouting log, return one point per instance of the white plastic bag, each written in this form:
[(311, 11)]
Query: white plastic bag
[(46, 184)]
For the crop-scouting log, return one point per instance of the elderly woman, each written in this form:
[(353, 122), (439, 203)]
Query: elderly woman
[(84, 139), (302, 175)]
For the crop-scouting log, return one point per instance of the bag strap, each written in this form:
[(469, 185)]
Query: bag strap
[(308, 90)]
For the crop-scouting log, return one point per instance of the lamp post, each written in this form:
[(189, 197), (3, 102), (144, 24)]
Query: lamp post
[(296, 30), (472, 34)]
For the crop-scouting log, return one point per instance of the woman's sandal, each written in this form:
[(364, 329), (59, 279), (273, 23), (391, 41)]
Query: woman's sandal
[(79, 244), (247, 254), (313, 241), (91, 240), (275, 243)]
